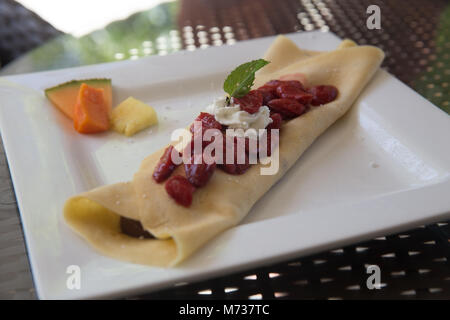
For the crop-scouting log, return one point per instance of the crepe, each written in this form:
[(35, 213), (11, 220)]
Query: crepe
[(226, 199)]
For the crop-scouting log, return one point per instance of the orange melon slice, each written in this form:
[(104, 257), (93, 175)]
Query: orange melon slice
[(64, 96)]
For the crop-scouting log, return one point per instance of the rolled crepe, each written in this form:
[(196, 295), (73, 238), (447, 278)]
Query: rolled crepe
[(226, 199)]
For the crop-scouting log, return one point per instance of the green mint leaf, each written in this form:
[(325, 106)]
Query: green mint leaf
[(240, 80)]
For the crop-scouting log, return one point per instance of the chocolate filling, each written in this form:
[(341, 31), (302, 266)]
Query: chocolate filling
[(133, 228)]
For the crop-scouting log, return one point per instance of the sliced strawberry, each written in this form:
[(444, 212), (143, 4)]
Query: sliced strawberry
[(268, 93), (165, 166), (323, 94), (180, 189), (276, 121), (251, 102), (288, 108), (208, 121), (199, 174), (291, 92)]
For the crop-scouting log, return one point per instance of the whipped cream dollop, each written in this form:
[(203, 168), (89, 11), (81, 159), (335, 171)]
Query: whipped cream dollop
[(235, 118)]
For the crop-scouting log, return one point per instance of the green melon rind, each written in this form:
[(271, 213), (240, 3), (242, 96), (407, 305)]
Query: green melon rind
[(77, 83)]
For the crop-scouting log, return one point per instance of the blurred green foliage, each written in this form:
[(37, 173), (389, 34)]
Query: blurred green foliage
[(133, 37)]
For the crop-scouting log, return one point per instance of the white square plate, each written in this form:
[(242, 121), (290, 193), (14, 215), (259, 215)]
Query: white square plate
[(382, 168)]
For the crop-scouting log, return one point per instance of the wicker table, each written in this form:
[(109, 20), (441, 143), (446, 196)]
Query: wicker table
[(415, 35)]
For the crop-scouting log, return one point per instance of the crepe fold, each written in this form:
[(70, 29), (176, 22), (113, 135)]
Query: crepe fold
[(226, 199)]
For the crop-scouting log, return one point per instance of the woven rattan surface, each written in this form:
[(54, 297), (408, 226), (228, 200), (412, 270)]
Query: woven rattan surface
[(415, 35)]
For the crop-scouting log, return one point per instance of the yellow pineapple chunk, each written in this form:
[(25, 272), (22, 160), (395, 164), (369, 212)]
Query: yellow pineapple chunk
[(132, 116)]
